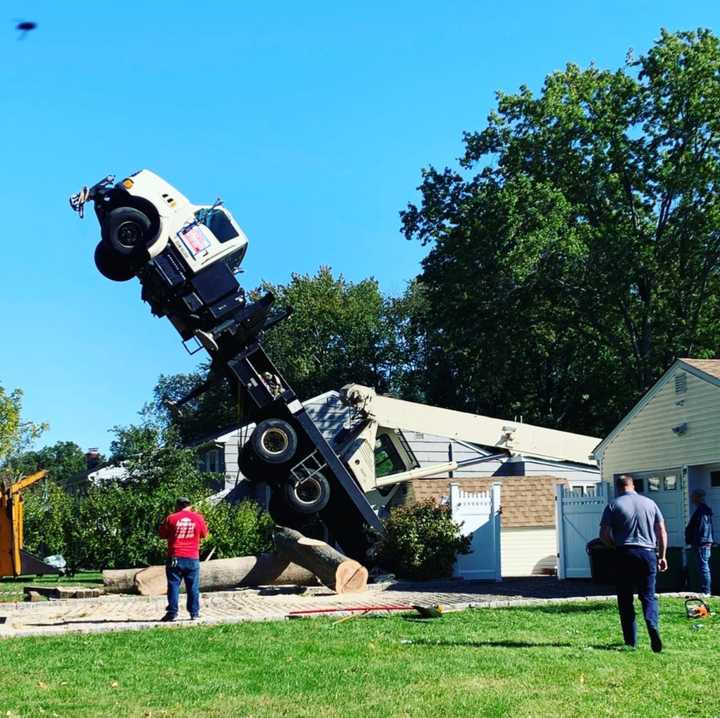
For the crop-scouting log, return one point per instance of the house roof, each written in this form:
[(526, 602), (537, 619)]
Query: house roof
[(527, 501), (705, 369), (710, 367)]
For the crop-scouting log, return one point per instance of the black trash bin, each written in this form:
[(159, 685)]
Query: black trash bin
[(602, 562), (674, 578)]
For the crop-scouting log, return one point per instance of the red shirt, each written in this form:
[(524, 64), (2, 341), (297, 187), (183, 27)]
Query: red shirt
[(183, 531)]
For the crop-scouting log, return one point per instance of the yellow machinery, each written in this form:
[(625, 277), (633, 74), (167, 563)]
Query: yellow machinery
[(13, 560)]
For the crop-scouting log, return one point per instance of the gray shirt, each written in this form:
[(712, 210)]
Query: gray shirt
[(632, 519)]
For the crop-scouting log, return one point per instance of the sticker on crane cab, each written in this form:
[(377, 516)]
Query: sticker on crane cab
[(194, 239)]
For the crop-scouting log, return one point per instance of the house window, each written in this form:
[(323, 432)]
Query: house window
[(671, 482), (653, 483), (583, 489), (211, 461), (715, 479)]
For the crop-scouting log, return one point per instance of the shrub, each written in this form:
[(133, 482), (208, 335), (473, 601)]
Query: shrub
[(243, 529), (48, 511), (420, 542)]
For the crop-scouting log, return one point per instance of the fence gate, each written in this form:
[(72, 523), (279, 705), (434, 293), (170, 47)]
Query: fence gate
[(577, 518), (479, 514)]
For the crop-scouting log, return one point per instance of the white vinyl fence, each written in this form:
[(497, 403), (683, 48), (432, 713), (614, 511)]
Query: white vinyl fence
[(479, 514), (578, 522)]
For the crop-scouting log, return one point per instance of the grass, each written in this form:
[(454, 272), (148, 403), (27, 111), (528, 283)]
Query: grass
[(547, 661), (11, 589)]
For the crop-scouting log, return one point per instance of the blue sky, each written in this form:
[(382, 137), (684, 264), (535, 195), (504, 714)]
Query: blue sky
[(311, 120)]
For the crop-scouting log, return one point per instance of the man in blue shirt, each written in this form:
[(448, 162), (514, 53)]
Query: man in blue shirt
[(634, 525), (699, 535)]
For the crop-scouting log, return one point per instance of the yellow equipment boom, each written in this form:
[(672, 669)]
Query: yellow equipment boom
[(11, 523)]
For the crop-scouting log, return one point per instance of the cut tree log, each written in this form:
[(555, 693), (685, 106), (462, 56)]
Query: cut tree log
[(119, 580), (268, 569), (337, 572)]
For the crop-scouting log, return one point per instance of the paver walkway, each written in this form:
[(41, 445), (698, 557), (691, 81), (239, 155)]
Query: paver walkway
[(113, 612)]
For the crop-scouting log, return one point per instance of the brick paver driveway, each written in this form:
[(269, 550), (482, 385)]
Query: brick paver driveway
[(112, 613)]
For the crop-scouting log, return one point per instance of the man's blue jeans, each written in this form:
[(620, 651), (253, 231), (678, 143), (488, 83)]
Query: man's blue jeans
[(703, 563), (636, 572), (177, 570)]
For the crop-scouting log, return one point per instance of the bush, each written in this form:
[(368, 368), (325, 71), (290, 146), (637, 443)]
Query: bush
[(243, 529), (420, 542), (48, 511)]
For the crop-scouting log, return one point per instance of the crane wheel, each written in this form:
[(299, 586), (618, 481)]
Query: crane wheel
[(308, 496), (274, 441)]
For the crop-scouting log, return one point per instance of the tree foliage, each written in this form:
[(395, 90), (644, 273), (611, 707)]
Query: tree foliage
[(243, 529), (64, 461), (114, 524), (339, 332), (576, 250), (16, 433)]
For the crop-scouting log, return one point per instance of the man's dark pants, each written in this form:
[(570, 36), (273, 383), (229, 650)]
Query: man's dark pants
[(177, 570), (702, 554), (636, 571)]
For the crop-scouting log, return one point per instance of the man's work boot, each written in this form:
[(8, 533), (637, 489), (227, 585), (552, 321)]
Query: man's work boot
[(168, 618), (655, 642)]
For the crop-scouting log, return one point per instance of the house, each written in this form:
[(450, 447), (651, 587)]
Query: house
[(528, 541), (669, 442)]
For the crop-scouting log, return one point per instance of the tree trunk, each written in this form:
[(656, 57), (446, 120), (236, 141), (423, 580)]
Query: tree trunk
[(120, 580), (338, 572), (264, 570)]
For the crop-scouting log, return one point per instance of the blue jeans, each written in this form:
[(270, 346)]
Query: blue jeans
[(636, 571), (703, 563), (177, 570)]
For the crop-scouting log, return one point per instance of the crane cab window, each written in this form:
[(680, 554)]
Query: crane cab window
[(217, 221), (387, 458)]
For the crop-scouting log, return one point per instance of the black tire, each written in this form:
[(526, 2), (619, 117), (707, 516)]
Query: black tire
[(308, 496), (274, 441), (127, 230), (111, 265)]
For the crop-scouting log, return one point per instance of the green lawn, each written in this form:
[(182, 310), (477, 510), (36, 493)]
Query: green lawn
[(559, 661), (11, 589)]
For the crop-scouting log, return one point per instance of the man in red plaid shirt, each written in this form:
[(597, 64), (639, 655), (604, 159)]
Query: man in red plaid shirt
[(183, 530)]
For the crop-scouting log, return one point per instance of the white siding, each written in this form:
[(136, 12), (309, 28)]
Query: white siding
[(574, 473), (647, 442), (527, 551)]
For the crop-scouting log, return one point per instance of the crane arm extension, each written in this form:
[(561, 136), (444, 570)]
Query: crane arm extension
[(26, 482)]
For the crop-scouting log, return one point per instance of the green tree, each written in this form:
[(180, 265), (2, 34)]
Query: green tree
[(576, 251), (339, 332), (64, 461), (243, 529), (16, 434), (114, 524)]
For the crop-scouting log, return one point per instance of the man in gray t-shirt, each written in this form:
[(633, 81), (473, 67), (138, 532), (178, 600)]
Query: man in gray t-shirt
[(634, 525)]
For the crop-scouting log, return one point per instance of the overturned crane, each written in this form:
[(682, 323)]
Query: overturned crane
[(186, 258)]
